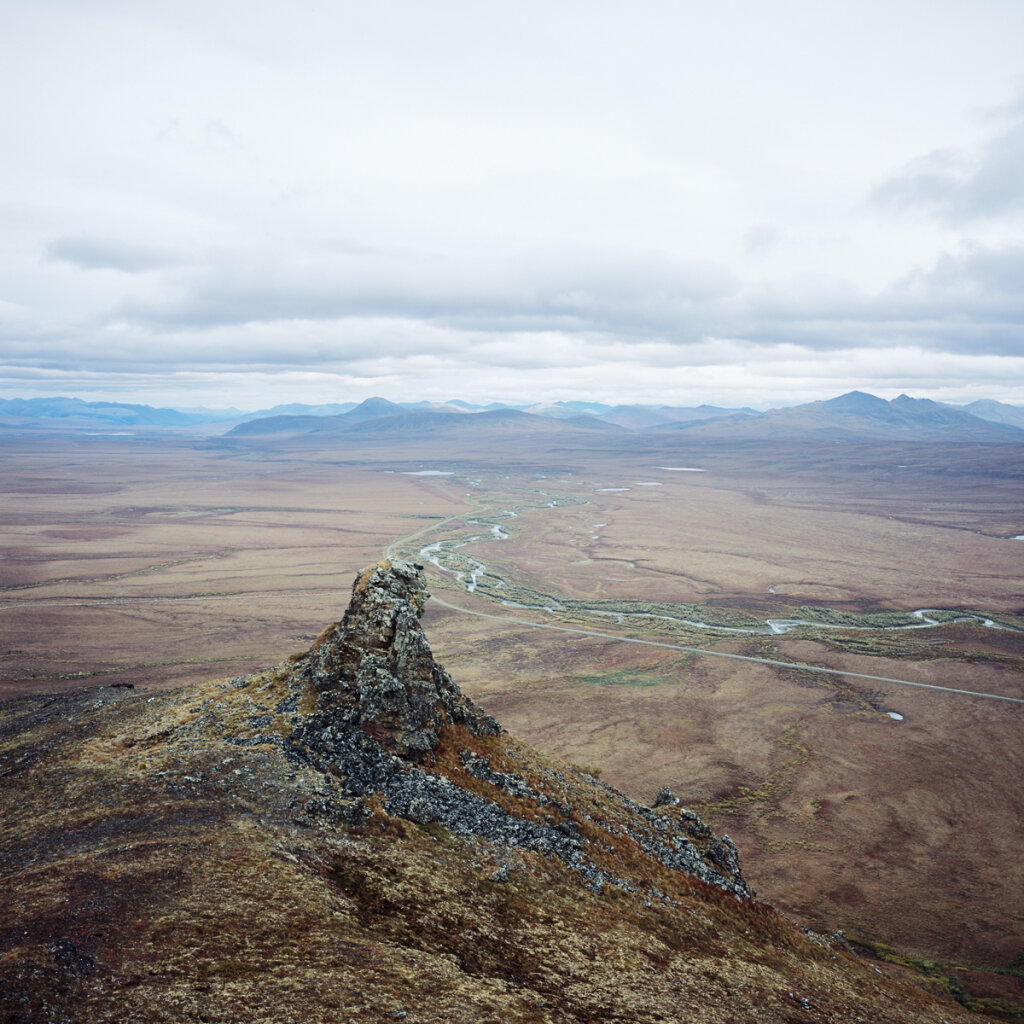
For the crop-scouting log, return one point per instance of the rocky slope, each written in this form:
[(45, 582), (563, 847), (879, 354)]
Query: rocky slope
[(347, 837)]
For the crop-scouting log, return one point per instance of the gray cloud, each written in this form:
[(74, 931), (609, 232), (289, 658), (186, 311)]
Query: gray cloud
[(94, 253), (966, 302), (405, 196), (306, 311), (981, 272), (761, 238), (958, 185), (487, 290)]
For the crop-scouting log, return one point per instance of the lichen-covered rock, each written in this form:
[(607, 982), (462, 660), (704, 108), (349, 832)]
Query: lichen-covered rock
[(382, 706), (374, 669), (666, 798)]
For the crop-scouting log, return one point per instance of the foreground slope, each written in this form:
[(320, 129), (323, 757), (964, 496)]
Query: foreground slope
[(347, 837)]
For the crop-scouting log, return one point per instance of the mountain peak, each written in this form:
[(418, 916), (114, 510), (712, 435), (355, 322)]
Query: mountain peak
[(372, 407), (855, 401), (375, 670)]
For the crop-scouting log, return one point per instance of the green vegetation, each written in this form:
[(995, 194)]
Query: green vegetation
[(878, 634), (878, 620), (790, 755), (624, 677), (942, 978)]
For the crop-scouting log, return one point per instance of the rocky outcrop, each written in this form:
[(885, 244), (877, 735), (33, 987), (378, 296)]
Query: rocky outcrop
[(383, 705), (374, 670)]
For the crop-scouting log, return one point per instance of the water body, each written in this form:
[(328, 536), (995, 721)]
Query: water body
[(425, 472), (469, 571), (496, 531), (471, 574), (682, 469)]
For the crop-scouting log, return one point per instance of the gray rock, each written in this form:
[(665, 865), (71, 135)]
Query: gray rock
[(382, 704), (377, 666)]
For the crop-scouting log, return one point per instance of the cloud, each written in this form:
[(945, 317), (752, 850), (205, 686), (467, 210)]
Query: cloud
[(548, 198), (965, 301), (479, 288), (761, 238), (981, 272), (958, 185), (94, 253)]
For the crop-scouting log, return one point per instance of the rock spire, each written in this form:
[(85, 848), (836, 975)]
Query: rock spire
[(376, 668)]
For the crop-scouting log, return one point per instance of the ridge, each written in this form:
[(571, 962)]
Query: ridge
[(346, 836)]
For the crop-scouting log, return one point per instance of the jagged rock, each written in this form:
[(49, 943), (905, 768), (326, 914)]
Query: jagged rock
[(665, 798), (382, 703), (375, 667)]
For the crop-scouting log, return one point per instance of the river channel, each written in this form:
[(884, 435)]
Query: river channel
[(472, 575)]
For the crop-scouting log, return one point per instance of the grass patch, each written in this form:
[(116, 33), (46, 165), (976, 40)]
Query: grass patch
[(624, 677), (940, 975)]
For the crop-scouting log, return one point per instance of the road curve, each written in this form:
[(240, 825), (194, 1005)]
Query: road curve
[(722, 654)]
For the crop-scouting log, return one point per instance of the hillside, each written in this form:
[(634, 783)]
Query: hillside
[(997, 412), (379, 420), (857, 416), (347, 837), (71, 413)]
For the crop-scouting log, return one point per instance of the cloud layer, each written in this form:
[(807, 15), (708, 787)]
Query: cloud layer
[(654, 203)]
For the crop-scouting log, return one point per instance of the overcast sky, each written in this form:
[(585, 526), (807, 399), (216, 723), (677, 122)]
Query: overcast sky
[(744, 203)]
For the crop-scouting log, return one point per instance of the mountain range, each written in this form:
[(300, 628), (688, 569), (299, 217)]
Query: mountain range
[(854, 416)]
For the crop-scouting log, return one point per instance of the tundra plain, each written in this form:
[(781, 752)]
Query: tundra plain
[(163, 562)]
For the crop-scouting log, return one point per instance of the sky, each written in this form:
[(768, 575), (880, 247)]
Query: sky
[(211, 202)]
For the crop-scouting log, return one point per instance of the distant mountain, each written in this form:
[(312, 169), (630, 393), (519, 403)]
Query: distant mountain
[(74, 411), (853, 416), (857, 416), (554, 410), (459, 407), (644, 417), (373, 408), (498, 421), (299, 409), (363, 410), (415, 424), (295, 426), (996, 412), (277, 426), (636, 417), (597, 408)]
